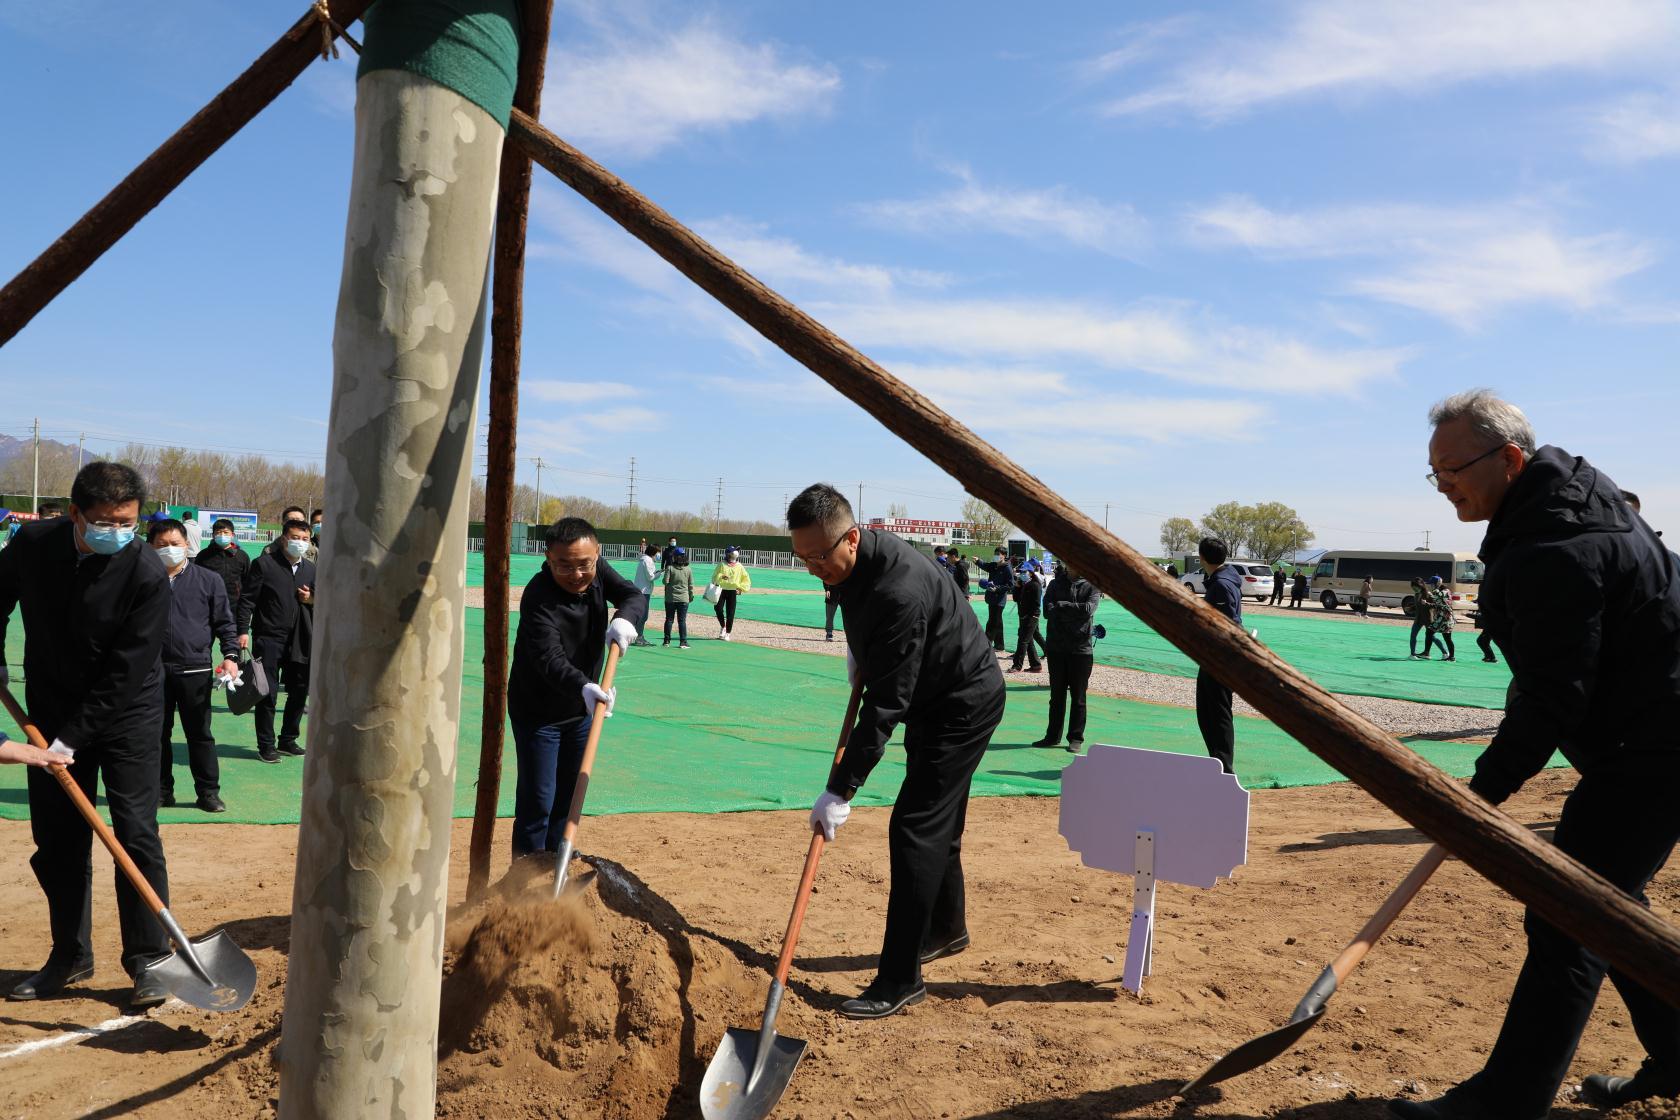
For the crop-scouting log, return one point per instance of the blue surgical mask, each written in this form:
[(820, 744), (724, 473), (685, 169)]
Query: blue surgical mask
[(224, 539), (107, 540), (172, 555), (296, 549)]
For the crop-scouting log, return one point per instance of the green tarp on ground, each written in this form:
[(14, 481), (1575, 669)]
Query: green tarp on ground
[(728, 726), (1343, 654)]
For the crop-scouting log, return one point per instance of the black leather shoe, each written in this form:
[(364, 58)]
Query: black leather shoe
[(877, 1002), (949, 949), (1455, 1104), (210, 803), (1604, 1090), (166, 800), (291, 749), (268, 755), (1047, 743), (50, 981), (147, 992)]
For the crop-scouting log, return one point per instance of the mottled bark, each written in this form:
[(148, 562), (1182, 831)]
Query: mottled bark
[(360, 1030)]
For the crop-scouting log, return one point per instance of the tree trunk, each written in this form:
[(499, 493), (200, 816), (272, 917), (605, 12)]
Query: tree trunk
[(368, 903)]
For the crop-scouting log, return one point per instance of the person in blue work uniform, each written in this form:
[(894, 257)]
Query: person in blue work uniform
[(1222, 585)]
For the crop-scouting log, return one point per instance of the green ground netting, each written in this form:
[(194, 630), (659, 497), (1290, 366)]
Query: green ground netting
[(725, 727), (521, 568), (1343, 654)]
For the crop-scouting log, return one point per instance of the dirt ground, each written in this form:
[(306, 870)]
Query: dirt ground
[(619, 1017)]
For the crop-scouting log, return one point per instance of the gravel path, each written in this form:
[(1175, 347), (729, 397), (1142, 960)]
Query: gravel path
[(1397, 717)]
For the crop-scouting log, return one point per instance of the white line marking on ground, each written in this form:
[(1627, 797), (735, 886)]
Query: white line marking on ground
[(77, 1034)]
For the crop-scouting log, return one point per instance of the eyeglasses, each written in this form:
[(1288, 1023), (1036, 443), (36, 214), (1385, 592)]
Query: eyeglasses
[(582, 569), (1449, 473), (111, 526), (821, 557)]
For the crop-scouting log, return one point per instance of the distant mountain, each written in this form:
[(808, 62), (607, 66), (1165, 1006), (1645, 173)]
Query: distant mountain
[(12, 447)]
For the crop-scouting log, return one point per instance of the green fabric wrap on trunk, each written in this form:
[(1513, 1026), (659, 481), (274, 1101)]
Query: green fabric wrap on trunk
[(469, 46)]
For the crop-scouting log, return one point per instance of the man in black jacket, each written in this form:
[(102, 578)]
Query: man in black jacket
[(1222, 586), (198, 614), (1070, 606), (557, 660), (224, 557), (1585, 602), (277, 623), (922, 661), (1000, 580), (1029, 594), (95, 604), (959, 570)]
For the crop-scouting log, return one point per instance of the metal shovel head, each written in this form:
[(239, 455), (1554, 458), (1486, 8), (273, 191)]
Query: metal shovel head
[(725, 1094), (228, 976), (1254, 1053)]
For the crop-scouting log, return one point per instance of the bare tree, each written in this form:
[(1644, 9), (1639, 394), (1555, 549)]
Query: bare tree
[(1178, 534), (987, 524)]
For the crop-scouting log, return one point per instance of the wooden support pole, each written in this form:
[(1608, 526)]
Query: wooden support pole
[(506, 326), (166, 168), (1567, 894)]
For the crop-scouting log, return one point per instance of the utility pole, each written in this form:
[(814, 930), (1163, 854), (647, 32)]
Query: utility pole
[(81, 441), (1105, 517), (1426, 540), (859, 510), (631, 508), (537, 517), (35, 496), (717, 510)]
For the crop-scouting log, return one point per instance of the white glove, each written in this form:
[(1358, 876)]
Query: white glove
[(594, 694), (622, 631), (62, 750), (829, 813), (851, 668), (230, 683)]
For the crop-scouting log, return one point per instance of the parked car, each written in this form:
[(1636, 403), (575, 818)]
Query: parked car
[(1256, 575)]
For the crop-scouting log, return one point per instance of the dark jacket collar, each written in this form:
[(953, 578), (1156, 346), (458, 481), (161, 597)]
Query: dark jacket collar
[(1557, 495)]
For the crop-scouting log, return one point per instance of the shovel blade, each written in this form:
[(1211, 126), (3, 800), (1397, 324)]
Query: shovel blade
[(1254, 1053), (725, 1094), (231, 975)]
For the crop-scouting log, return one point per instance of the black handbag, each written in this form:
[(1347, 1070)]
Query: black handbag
[(253, 686)]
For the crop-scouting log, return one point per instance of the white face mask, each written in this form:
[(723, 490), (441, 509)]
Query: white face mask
[(172, 555), (296, 549)]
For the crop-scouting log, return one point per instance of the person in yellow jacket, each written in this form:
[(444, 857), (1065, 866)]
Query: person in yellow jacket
[(732, 580)]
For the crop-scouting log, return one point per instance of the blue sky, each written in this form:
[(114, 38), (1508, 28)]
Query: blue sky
[(1163, 255)]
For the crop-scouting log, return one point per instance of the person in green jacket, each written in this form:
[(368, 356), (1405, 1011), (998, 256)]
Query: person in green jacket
[(679, 592), (732, 580)]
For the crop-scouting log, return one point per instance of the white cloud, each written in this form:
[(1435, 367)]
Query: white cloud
[(1032, 215), (1639, 127), (1410, 46), (638, 90), (1462, 264), (575, 392), (779, 261), (1181, 344)]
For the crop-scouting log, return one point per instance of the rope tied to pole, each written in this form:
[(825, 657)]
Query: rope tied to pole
[(331, 31)]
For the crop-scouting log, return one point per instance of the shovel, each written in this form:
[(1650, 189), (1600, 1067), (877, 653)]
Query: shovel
[(568, 838), (1256, 1052), (213, 973), (751, 1069)]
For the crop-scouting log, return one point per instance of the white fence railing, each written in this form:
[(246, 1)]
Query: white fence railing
[(751, 557)]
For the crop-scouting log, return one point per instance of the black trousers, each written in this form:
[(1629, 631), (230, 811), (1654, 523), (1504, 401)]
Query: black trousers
[(829, 607), (189, 694), (725, 608), (994, 625), (1213, 716), (63, 859), (1277, 594), (1485, 641), (1070, 675), (926, 904), (1028, 645), (1623, 826), (295, 676)]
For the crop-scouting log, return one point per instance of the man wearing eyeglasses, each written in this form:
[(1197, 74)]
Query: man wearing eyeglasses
[(95, 605), (917, 650), (1585, 602), (557, 660)]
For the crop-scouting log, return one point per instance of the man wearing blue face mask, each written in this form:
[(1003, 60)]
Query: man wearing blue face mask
[(95, 605), (277, 623), (198, 613), (225, 558)]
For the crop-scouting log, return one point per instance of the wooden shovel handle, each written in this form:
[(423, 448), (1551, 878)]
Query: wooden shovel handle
[(83, 805), (809, 876), (1384, 917), (581, 789)]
